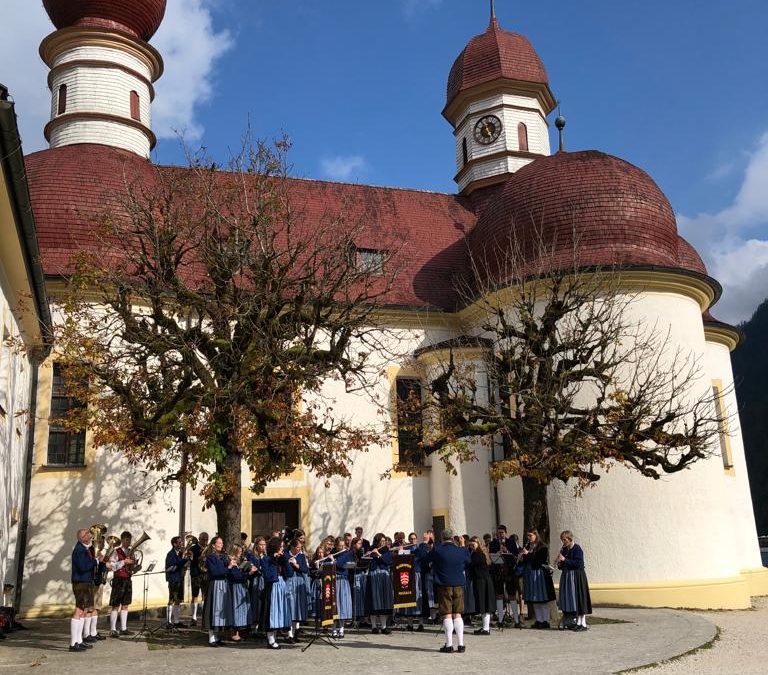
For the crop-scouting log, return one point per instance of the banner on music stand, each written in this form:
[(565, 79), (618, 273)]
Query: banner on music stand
[(328, 595), (404, 581)]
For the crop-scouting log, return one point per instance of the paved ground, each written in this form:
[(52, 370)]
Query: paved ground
[(644, 636)]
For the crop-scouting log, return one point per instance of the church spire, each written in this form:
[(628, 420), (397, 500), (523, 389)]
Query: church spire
[(493, 13)]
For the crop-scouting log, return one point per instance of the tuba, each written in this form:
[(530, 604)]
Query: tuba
[(190, 541), (133, 551), (97, 530), (202, 563), (112, 543)]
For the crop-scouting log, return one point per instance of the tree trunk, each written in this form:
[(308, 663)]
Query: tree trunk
[(229, 508), (536, 508)]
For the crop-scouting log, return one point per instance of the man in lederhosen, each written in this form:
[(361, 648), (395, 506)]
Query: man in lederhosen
[(84, 566), (123, 568)]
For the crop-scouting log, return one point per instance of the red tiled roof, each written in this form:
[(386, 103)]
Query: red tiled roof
[(689, 258), (493, 55), (70, 186), (606, 210), (141, 18)]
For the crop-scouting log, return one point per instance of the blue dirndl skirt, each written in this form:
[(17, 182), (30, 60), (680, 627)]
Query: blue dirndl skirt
[(297, 591), (257, 597), (574, 592), (218, 605), (361, 580), (537, 585), (343, 599), (379, 594), (241, 605), (313, 600), (429, 582), (279, 607)]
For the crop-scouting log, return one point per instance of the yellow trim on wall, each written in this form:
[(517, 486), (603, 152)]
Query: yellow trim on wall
[(757, 580)]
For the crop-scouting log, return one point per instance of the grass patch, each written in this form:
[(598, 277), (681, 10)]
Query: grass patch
[(600, 620), (690, 652)]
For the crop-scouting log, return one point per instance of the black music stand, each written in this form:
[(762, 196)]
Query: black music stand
[(320, 633), (145, 629)]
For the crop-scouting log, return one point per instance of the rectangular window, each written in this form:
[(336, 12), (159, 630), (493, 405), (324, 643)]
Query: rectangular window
[(409, 423), (135, 107), (65, 447), (722, 416), (370, 261)]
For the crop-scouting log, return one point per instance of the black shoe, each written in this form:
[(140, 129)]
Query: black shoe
[(79, 647), (86, 645), (420, 628), (480, 631), (462, 649), (274, 645), (545, 625), (99, 636), (519, 625), (179, 625), (89, 639), (445, 649), (126, 632), (537, 624), (19, 626), (386, 630), (214, 644), (375, 630), (409, 627), (499, 625)]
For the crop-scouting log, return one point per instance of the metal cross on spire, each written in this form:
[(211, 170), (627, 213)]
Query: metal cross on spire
[(493, 10)]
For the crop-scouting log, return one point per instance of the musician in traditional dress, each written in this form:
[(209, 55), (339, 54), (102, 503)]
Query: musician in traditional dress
[(574, 587), (479, 571), (449, 563), (503, 552), (359, 535), (360, 577), (256, 556), (342, 558), (174, 577), (276, 609), (237, 576), (379, 593), (99, 583), (297, 584), (123, 568), (198, 577), (414, 614), (538, 587), (217, 614), (429, 602), (84, 566)]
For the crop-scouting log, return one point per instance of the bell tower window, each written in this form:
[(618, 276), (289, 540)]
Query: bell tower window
[(522, 137), (135, 111), (464, 151), (61, 107)]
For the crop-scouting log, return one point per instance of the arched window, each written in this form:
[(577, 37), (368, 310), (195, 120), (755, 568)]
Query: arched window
[(135, 112), (62, 105), (522, 137), (464, 151)]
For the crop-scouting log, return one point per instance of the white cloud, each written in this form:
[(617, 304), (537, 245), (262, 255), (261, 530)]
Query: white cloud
[(187, 41), (343, 168), (720, 172), (731, 240)]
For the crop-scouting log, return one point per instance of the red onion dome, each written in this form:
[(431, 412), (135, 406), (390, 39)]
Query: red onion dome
[(140, 18), (494, 55), (580, 208), (689, 258)]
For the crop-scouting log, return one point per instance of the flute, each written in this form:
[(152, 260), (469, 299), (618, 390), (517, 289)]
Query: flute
[(330, 555)]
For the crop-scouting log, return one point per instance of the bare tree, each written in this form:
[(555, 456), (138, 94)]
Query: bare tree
[(203, 322), (578, 383)]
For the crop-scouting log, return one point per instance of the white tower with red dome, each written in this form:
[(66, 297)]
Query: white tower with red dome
[(102, 72), (498, 99)]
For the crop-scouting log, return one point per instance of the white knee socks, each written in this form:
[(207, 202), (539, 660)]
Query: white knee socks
[(123, 619), (211, 636), (271, 637), (113, 621), (515, 611), (500, 609), (448, 629), (487, 622), (458, 626), (194, 611), (75, 631)]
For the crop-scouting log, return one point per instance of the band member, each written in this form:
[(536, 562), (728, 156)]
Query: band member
[(448, 566), (256, 556), (84, 567), (217, 612), (99, 581), (347, 539), (237, 577), (275, 611), (538, 587), (315, 581), (197, 577), (342, 559), (428, 602), (574, 587), (123, 568), (419, 552), (297, 584), (379, 594), (479, 570), (174, 577), (357, 586), (359, 535), (505, 582)]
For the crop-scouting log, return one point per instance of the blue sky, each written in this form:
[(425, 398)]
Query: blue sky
[(678, 88)]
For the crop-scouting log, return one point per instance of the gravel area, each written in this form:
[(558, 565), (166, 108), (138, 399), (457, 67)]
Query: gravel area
[(742, 648)]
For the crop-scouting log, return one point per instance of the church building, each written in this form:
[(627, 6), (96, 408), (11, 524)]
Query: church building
[(686, 540)]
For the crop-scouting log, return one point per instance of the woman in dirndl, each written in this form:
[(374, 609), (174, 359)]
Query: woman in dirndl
[(379, 594), (217, 613), (238, 593), (415, 613), (357, 586), (256, 556), (344, 559), (480, 572), (276, 608), (574, 587), (297, 584), (315, 579), (538, 587)]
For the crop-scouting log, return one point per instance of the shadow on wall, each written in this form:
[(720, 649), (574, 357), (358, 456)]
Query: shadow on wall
[(121, 496)]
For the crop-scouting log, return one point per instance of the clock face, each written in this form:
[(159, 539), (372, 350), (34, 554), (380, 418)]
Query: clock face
[(487, 129)]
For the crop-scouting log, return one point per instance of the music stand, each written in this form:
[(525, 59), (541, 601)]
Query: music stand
[(352, 568), (145, 630), (319, 633)]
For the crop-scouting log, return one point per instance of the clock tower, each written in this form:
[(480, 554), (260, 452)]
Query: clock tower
[(498, 100)]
